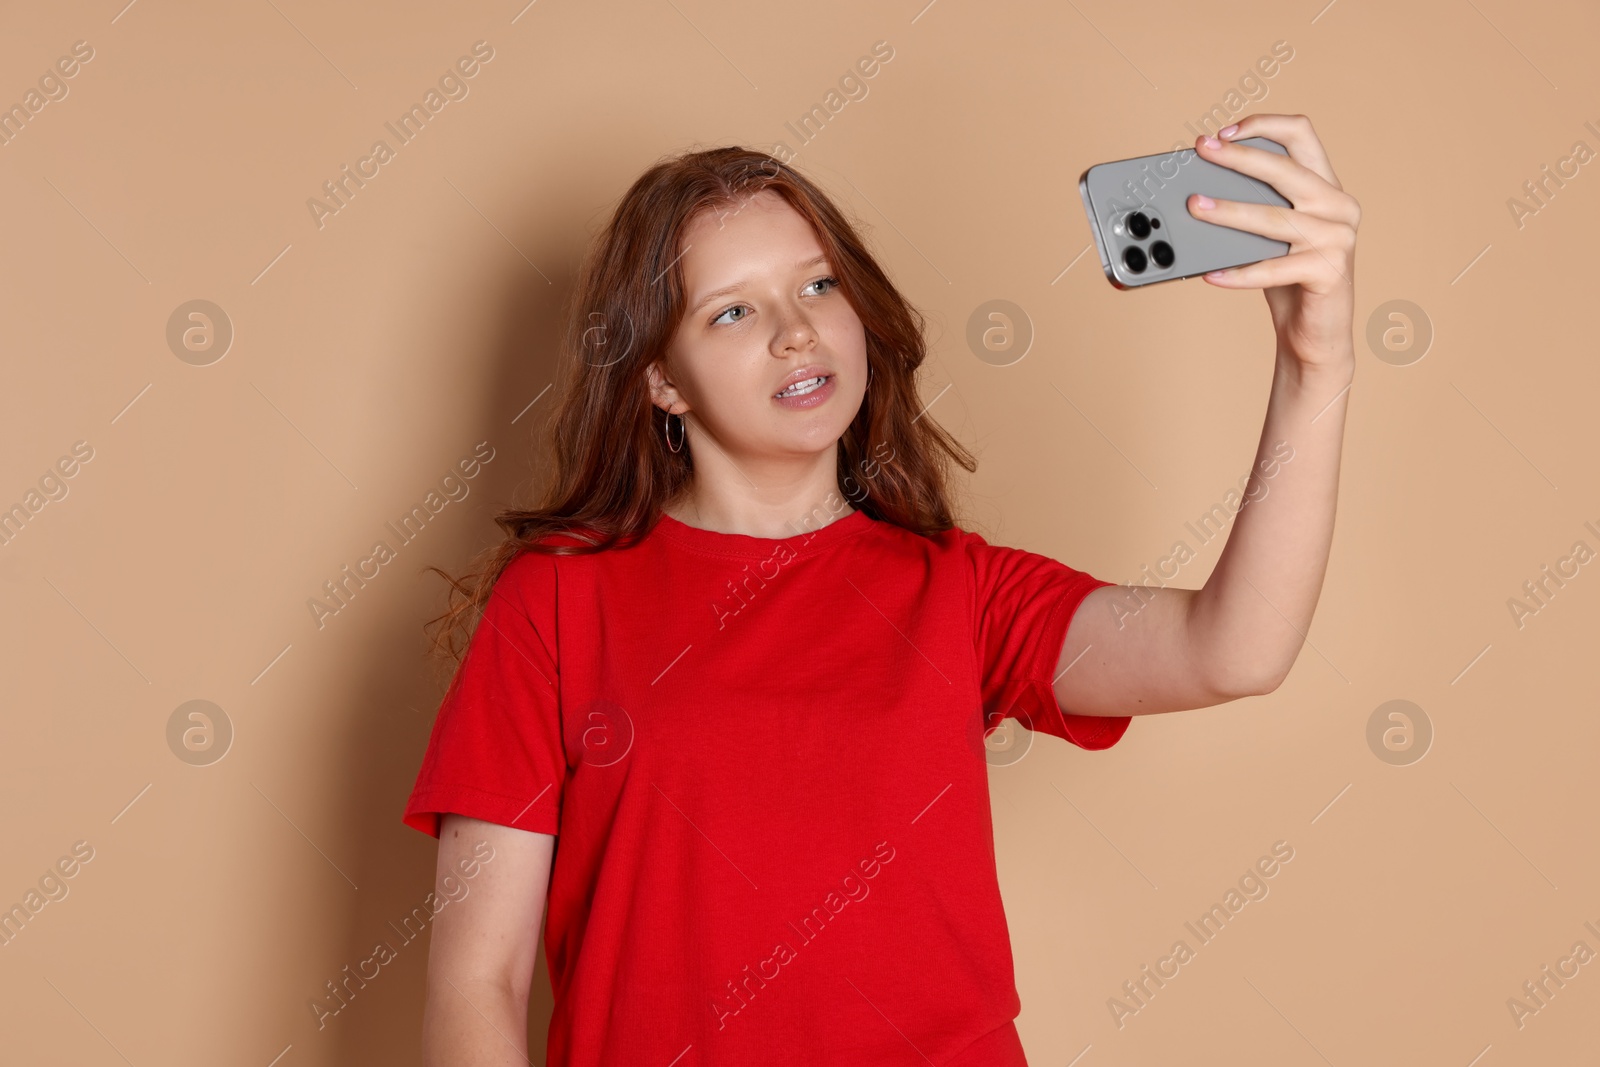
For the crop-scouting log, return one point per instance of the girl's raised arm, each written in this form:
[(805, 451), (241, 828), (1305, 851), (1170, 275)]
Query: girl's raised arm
[(1240, 634)]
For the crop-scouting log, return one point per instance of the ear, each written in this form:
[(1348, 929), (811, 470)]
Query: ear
[(663, 393)]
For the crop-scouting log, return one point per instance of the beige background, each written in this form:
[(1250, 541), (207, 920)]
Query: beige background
[(371, 354)]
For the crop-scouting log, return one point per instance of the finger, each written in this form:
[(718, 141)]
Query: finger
[(1294, 132), (1305, 189), (1309, 268), (1302, 187), (1300, 229)]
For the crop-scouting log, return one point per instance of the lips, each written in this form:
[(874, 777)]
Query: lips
[(803, 374), (815, 395), (804, 387)]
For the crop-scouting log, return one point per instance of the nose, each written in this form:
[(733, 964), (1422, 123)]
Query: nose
[(794, 334)]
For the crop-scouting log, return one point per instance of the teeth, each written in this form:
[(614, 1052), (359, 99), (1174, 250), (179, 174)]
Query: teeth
[(801, 388)]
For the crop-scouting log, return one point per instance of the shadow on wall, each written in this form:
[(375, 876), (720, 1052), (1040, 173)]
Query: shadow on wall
[(394, 693)]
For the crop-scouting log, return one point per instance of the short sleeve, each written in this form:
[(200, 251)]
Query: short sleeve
[(1023, 603), (496, 750)]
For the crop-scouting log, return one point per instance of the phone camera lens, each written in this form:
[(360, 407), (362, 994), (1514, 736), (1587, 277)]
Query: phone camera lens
[(1155, 223), (1138, 226), (1161, 252), (1133, 258)]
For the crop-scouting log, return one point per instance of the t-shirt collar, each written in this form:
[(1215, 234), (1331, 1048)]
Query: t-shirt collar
[(747, 547)]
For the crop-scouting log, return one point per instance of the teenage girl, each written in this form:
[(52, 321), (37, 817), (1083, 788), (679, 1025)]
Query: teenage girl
[(724, 707)]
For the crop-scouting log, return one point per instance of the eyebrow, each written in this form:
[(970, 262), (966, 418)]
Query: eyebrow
[(728, 290)]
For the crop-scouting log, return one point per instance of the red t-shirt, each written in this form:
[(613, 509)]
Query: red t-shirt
[(764, 760)]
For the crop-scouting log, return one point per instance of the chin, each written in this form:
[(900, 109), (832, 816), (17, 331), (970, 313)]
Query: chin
[(818, 437)]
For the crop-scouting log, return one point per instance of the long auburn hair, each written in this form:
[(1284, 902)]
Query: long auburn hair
[(613, 471)]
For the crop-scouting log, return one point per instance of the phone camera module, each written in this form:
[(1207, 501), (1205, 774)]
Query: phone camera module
[(1161, 252), (1134, 259), (1138, 226)]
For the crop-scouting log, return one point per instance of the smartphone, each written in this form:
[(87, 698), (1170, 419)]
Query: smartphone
[(1139, 215)]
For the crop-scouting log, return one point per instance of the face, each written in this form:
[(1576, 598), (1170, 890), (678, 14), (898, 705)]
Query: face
[(761, 306)]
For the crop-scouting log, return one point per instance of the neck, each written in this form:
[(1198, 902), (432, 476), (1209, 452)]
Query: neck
[(761, 514)]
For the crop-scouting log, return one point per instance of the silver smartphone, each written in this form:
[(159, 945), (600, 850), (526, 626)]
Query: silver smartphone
[(1139, 215)]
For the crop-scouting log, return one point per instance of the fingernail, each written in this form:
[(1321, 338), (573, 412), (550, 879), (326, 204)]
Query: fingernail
[(1212, 142), (1228, 131), (1204, 201)]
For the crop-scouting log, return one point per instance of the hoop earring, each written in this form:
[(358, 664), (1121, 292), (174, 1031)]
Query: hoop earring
[(682, 432)]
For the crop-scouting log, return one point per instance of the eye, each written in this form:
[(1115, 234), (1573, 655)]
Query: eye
[(832, 282), (735, 307)]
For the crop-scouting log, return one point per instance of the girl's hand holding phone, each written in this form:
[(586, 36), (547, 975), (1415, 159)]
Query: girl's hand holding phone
[(1309, 289)]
